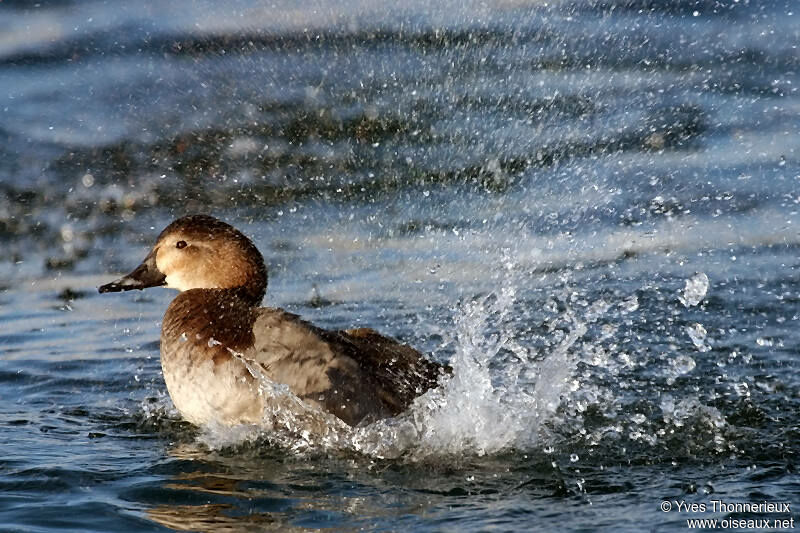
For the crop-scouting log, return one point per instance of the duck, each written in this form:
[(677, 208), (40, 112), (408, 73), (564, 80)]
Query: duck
[(217, 342)]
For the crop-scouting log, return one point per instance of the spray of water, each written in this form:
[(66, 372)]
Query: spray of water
[(521, 379), (499, 396)]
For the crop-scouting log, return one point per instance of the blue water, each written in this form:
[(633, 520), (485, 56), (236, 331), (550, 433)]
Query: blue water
[(588, 209)]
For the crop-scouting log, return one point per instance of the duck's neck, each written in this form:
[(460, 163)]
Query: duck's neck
[(251, 293), (254, 290), (219, 318), (254, 286)]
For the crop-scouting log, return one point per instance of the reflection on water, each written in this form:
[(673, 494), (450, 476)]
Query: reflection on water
[(207, 518), (186, 510), (252, 487), (255, 486)]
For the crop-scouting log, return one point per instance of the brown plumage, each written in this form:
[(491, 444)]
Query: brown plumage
[(215, 337)]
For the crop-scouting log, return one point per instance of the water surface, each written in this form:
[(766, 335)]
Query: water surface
[(590, 210)]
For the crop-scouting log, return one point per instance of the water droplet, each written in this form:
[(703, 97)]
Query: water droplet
[(698, 335), (183, 337), (682, 364), (638, 418), (667, 405), (67, 233), (596, 310), (742, 389), (574, 457), (629, 305), (695, 290)]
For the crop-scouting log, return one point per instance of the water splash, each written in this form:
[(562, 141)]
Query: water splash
[(499, 396), (287, 421), (529, 372), (484, 407)]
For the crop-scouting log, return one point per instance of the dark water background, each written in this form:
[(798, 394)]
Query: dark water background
[(590, 209)]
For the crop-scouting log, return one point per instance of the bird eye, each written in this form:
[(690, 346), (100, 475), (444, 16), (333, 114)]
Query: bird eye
[(180, 244)]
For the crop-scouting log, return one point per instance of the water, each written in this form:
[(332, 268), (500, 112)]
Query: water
[(589, 210)]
